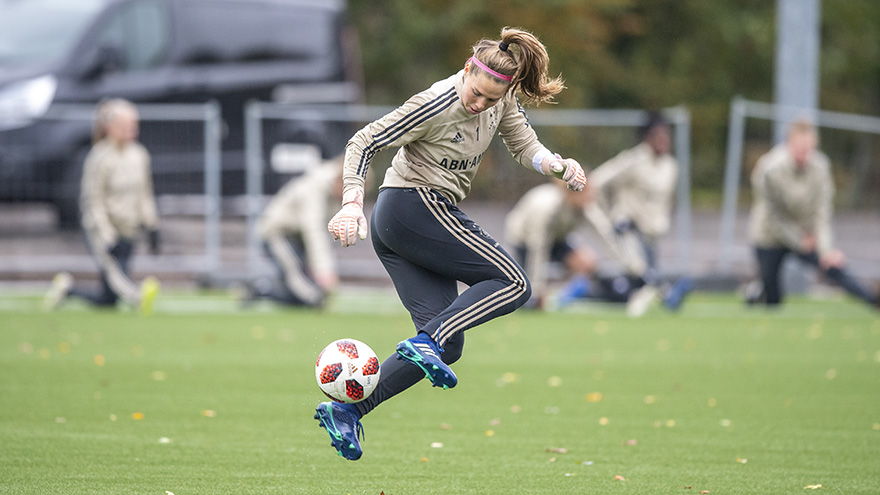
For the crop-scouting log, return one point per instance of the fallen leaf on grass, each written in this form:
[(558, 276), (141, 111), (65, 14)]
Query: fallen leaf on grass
[(137, 416), (437, 445), (594, 397), (741, 460), (631, 442), (507, 378), (209, 413), (557, 450), (618, 477), (552, 459), (813, 487), (495, 422), (490, 433), (424, 459), (705, 491)]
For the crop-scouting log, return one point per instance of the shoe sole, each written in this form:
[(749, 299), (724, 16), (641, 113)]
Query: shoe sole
[(434, 373), (324, 415)]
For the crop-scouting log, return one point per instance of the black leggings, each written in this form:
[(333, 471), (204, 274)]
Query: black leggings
[(770, 262), (122, 251), (428, 245)]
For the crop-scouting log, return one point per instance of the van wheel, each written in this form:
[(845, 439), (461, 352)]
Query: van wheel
[(67, 192)]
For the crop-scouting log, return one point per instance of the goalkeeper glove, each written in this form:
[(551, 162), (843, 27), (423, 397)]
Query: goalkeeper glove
[(349, 223), (569, 170)]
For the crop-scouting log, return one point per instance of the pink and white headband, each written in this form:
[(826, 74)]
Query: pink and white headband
[(490, 71)]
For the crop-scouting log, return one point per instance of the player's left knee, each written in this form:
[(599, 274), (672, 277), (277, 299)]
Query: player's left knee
[(525, 292)]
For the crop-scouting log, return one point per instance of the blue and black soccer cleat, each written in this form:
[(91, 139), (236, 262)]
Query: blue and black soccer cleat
[(577, 288), (343, 426), (423, 352), (676, 294)]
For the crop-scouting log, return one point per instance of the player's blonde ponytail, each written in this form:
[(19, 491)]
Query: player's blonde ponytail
[(522, 58)]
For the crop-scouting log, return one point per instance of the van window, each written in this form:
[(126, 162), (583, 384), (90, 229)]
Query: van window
[(39, 31), (140, 33), (223, 32)]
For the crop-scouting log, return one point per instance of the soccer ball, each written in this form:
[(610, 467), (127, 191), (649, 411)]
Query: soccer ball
[(347, 370)]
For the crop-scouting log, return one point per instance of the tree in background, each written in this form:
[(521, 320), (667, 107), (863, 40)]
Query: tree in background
[(635, 54)]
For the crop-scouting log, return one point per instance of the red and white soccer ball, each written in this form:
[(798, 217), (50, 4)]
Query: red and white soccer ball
[(347, 370)]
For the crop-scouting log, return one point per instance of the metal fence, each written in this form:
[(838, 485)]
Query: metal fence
[(257, 113), (206, 261), (740, 111)]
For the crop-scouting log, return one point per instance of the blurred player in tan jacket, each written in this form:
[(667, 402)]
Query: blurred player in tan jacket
[(634, 194), (294, 231), (116, 204), (540, 227), (791, 214)]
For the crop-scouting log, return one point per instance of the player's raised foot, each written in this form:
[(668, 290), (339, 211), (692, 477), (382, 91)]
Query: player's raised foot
[(423, 352), (58, 291), (342, 423)]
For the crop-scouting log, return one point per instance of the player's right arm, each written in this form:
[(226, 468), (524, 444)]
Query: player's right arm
[(397, 128), (521, 140)]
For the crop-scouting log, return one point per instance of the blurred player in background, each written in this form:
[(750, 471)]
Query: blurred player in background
[(426, 243), (117, 204), (634, 194), (540, 229), (791, 214), (293, 228)]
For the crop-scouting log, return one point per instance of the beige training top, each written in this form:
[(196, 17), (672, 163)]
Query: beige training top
[(301, 208), (790, 203), (638, 185), (441, 144), (117, 192)]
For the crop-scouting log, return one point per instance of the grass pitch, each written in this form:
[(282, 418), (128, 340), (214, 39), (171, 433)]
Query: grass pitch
[(200, 398)]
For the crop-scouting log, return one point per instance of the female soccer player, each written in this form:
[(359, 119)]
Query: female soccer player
[(117, 203), (426, 243), (792, 214)]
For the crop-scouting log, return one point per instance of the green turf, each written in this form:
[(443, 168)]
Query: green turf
[(718, 398)]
